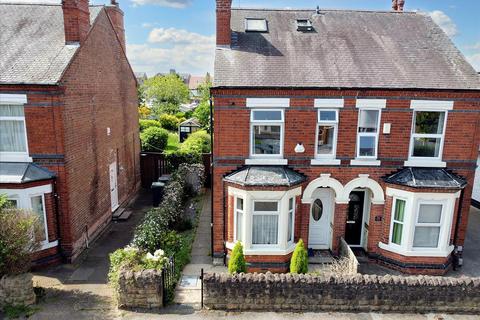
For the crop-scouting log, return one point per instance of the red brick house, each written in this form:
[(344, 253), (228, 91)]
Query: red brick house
[(69, 143), (335, 124)]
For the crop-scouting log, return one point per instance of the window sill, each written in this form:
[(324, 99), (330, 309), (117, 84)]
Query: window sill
[(48, 245), (418, 253), (15, 157), (273, 251), (365, 162), (325, 162), (266, 162), (425, 163)]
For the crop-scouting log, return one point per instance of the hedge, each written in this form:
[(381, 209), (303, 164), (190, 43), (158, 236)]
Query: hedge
[(147, 123), (154, 139)]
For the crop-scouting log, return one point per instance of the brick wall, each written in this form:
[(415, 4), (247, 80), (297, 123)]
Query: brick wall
[(359, 293), (232, 138), (100, 95)]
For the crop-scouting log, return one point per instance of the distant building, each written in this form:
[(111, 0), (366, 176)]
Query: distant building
[(188, 127), (184, 76), (141, 77)]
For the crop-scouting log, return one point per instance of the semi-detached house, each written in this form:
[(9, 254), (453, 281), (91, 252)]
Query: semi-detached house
[(69, 145), (331, 124)]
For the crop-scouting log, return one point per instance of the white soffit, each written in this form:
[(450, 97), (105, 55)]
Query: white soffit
[(431, 105), (329, 103), (268, 102)]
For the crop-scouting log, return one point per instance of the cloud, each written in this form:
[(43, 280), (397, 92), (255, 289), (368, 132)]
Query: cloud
[(445, 22), (169, 48), (474, 60), (178, 4)]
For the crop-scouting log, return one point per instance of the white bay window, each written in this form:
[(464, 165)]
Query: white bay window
[(421, 223), (264, 220)]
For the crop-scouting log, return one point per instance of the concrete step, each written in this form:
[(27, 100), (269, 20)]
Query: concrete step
[(117, 213), (125, 215)]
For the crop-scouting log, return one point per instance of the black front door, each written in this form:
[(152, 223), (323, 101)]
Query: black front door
[(353, 232)]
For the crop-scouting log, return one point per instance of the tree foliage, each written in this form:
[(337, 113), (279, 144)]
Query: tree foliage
[(237, 263), (299, 261), (169, 121), (154, 139), (196, 143), (166, 93), (202, 112), (147, 123)]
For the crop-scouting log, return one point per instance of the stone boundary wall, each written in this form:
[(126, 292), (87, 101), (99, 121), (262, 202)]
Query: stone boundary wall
[(142, 289), (17, 290), (358, 293), (347, 253)]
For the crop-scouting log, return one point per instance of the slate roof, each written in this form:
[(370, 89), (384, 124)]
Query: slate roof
[(32, 43), (22, 172), (347, 49), (192, 122), (426, 178), (265, 176)]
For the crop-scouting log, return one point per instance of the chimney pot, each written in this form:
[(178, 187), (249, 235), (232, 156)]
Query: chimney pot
[(397, 5)]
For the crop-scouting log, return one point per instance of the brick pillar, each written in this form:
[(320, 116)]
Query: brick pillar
[(376, 228), (339, 221), (302, 223), (76, 20), (224, 14)]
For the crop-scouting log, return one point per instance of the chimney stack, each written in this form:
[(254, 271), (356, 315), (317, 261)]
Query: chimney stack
[(116, 17), (224, 14), (397, 5), (76, 20)]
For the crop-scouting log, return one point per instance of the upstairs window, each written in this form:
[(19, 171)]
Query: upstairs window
[(327, 128), (267, 133), (367, 139), (304, 25), (13, 133), (428, 134), (256, 25)]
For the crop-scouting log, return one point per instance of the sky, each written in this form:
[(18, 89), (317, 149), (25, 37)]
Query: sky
[(180, 34)]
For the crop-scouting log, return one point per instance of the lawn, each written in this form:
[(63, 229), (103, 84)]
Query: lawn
[(173, 142)]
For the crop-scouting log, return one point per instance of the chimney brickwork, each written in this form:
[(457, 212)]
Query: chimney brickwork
[(224, 13), (76, 20), (116, 16), (398, 5)]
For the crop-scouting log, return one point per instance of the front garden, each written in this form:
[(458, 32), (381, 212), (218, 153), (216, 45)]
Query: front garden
[(162, 242)]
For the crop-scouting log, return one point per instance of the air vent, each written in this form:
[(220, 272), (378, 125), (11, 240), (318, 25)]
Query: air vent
[(304, 25), (256, 25)]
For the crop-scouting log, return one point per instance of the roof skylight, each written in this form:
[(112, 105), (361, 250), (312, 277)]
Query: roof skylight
[(304, 25), (256, 25)]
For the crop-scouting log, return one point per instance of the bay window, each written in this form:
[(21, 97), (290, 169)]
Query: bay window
[(238, 219), (265, 223), (267, 133), (291, 220), (421, 223)]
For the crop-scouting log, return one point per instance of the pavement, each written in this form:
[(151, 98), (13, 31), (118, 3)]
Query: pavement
[(471, 255)]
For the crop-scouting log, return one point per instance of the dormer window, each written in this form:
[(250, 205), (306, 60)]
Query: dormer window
[(304, 25), (256, 25)]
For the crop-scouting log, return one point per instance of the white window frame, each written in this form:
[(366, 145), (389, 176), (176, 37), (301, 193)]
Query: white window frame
[(292, 213), (254, 123), (393, 221), (282, 197), (247, 29), (15, 100), (267, 213), (421, 224), (413, 135), (235, 226), (412, 206), (321, 122), (376, 135), (24, 201)]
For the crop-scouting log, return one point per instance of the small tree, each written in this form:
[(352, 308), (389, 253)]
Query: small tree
[(166, 93), (154, 139), (169, 121), (299, 262), (237, 262), (147, 123)]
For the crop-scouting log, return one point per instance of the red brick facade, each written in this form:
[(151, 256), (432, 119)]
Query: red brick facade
[(231, 148), (76, 129)]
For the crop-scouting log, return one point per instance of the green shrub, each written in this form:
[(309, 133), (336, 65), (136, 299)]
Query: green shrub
[(169, 122), (237, 262), (147, 123), (197, 143), (20, 234), (154, 139), (299, 261)]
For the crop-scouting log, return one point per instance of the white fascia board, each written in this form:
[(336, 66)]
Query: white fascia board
[(6, 98), (329, 103), (433, 105), (268, 102), (371, 103), (425, 163), (266, 162)]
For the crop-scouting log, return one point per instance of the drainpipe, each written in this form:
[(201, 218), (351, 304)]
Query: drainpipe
[(224, 228), (57, 217), (458, 251), (211, 174)]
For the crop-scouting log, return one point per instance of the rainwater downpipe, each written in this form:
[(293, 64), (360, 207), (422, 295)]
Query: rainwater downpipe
[(457, 253), (57, 218)]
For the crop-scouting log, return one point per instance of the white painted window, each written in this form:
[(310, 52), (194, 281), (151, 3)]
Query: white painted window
[(428, 225), (291, 220), (13, 133), (421, 223), (256, 24), (428, 135), (327, 132), (265, 223), (184, 129), (38, 208), (267, 126), (239, 219), (367, 137)]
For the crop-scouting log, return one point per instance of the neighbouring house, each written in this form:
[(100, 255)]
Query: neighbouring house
[(195, 82), (332, 124), (141, 77), (188, 127), (69, 144), (184, 76)]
